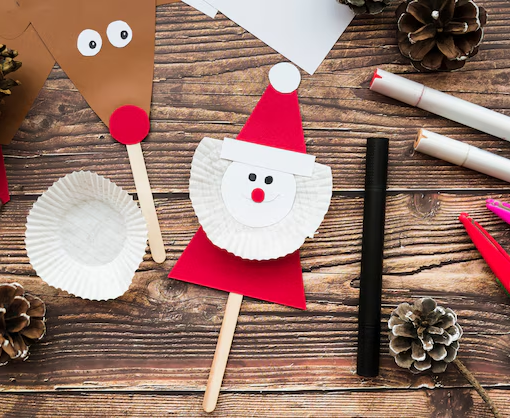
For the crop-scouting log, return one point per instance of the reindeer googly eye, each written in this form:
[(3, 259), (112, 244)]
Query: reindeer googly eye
[(89, 43), (119, 33)]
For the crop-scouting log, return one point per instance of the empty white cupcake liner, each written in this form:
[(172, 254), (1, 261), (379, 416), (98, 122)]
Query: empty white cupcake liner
[(87, 236)]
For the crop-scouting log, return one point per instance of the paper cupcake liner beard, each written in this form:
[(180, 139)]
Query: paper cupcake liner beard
[(313, 197), (86, 236)]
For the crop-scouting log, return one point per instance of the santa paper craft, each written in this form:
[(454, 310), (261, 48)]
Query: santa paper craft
[(257, 198)]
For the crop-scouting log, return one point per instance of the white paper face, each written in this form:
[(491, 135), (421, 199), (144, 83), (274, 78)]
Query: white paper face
[(257, 197)]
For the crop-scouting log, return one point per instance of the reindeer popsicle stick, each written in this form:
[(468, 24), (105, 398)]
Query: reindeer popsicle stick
[(143, 189), (219, 364), (130, 125)]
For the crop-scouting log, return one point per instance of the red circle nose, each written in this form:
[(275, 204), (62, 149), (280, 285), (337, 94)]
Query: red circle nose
[(258, 195), (129, 124)]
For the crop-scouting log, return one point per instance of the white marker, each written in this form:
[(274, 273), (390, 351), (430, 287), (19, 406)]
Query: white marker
[(442, 104), (462, 154)]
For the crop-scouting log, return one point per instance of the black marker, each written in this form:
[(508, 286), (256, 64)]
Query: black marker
[(369, 316)]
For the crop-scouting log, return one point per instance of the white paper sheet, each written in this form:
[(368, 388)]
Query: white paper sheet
[(303, 31), (202, 6)]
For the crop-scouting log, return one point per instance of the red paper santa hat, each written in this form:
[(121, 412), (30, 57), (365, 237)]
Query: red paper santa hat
[(273, 135)]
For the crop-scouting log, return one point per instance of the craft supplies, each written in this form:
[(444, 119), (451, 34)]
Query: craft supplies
[(369, 314), (22, 324), (424, 336), (439, 36), (257, 198), (362, 7), (87, 236), (94, 43), (495, 256), (303, 31), (462, 154), (501, 209), (450, 107)]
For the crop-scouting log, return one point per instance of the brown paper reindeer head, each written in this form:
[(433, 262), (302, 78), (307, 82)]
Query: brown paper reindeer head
[(106, 47), (17, 33)]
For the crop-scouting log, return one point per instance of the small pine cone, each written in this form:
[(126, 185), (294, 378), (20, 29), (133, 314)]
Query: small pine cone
[(440, 35), (22, 322), (361, 7), (7, 65), (424, 336)]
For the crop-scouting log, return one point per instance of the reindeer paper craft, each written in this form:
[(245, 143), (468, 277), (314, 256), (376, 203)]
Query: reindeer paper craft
[(94, 42)]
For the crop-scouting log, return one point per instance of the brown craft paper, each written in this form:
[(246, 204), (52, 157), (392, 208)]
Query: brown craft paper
[(14, 22), (16, 33), (115, 76)]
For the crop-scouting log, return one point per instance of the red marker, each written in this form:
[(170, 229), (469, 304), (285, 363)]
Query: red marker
[(495, 256)]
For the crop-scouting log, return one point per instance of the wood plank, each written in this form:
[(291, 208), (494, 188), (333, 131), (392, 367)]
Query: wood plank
[(157, 341), (454, 402), (209, 75), (161, 334)]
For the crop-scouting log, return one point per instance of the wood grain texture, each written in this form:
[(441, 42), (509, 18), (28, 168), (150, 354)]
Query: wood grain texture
[(451, 403), (209, 76), (149, 352), (162, 333)]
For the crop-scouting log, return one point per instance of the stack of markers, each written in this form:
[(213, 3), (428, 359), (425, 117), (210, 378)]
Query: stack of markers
[(459, 153)]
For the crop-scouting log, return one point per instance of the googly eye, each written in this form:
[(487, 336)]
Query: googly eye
[(119, 33), (89, 43)]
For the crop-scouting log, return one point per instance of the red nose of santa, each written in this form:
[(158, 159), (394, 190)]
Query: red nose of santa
[(258, 195), (129, 125)]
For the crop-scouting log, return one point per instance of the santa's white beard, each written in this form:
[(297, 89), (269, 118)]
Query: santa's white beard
[(313, 196)]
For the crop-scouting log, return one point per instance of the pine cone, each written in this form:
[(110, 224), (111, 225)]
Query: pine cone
[(7, 65), (424, 336), (360, 7), (440, 35), (22, 322)]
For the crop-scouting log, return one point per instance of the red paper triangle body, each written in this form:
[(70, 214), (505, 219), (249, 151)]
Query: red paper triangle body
[(4, 186), (278, 281)]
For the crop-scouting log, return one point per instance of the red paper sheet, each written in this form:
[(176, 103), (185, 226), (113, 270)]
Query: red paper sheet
[(4, 186), (278, 281)]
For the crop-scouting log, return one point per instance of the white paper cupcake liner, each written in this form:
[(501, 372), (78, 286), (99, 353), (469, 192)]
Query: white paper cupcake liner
[(87, 236), (313, 197)]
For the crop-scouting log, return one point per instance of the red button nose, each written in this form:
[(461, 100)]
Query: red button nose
[(129, 125), (258, 195)]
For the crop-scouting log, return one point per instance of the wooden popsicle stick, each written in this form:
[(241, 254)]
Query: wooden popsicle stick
[(143, 189), (219, 363)]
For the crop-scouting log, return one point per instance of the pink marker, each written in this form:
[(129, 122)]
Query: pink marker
[(442, 104), (501, 209)]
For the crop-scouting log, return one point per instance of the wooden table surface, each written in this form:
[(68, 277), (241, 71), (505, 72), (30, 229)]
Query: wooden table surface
[(148, 352)]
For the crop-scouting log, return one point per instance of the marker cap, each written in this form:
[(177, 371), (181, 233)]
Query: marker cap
[(397, 87), (441, 147)]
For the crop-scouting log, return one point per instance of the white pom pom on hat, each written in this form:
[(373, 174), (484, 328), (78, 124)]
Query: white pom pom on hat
[(284, 77)]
